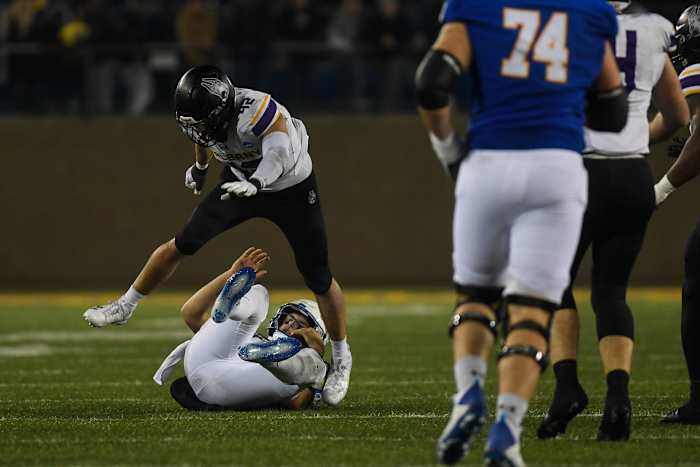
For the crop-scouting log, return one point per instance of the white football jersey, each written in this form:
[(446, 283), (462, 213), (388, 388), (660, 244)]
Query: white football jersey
[(242, 151), (641, 49)]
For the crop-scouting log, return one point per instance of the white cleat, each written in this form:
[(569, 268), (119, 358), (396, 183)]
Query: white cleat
[(338, 380), (116, 312)]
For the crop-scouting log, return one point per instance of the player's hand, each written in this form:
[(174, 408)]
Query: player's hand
[(311, 338), (662, 189), (194, 178), (450, 152), (255, 258), (241, 189)]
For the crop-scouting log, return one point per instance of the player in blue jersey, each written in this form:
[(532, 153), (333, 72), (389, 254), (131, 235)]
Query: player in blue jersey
[(539, 67)]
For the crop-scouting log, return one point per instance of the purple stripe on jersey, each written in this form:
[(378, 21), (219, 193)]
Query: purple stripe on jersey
[(690, 81), (266, 118)]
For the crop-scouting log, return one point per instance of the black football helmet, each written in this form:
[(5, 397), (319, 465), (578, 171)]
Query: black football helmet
[(687, 38), (204, 101)]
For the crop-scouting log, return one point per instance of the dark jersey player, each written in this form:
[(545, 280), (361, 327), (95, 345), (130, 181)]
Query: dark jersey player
[(267, 173), (683, 170), (620, 204), (521, 189)]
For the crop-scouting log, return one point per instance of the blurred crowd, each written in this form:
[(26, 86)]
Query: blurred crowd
[(100, 57), (112, 56)]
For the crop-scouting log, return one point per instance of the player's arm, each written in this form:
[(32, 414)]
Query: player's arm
[(276, 155), (687, 166), (436, 77), (196, 174), (196, 311), (669, 101), (607, 106)]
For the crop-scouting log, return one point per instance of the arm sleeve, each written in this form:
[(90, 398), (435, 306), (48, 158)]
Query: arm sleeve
[(277, 158)]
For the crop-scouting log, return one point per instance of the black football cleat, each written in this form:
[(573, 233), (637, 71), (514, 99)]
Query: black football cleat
[(563, 409), (617, 418), (688, 414)]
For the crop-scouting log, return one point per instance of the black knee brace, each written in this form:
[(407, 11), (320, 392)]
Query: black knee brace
[(530, 325), (489, 296), (613, 316)]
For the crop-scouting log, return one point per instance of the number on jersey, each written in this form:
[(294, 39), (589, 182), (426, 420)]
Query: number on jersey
[(549, 47)]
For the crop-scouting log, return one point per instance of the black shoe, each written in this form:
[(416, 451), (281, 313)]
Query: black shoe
[(617, 418), (564, 408), (688, 414)]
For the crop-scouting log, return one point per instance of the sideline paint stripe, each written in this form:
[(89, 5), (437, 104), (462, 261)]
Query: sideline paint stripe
[(353, 297)]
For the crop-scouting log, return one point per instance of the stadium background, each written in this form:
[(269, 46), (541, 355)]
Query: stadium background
[(93, 162)]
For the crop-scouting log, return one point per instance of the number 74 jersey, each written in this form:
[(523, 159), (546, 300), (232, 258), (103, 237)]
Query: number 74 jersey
[(533, 63)]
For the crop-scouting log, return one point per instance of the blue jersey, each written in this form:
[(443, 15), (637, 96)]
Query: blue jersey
[(533, 63)]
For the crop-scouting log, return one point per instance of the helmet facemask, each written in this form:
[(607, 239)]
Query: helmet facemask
[(315, 322), (687, 38)]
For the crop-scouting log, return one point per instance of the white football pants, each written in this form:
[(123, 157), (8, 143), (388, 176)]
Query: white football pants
[(216, 372), (517, 220)]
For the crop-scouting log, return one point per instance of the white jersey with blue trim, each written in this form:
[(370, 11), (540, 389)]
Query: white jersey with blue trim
[(641, 47), (242, 151)]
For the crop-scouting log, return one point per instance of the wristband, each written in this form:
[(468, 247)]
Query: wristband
[(256, 182), (202, 167), (665, 186), (446, 149)]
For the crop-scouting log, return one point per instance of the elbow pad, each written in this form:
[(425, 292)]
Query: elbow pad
[(435, 79), (607, 111)]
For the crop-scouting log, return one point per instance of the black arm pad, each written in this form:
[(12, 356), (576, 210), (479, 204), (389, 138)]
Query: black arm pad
[(607, 111), (435, 79)]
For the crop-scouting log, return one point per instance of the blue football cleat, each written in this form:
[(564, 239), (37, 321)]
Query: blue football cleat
[(502, 448), (235, 288), (270, 351), (466, 419)]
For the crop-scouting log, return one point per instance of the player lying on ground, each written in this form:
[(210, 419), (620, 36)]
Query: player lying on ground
[(267, 174), (620, 204), (521, 191), (686, 168), (228, 366)]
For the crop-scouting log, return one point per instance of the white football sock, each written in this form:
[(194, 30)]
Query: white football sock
[(469, 369), (132, 297), (514, 408), (340, 348)]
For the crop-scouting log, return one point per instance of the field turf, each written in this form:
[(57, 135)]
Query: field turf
[(71, 395)]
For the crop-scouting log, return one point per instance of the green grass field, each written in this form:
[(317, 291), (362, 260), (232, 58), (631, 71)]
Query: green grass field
[(71, 395)]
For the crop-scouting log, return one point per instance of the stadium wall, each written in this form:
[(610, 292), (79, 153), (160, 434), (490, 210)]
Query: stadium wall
[(86, 201)]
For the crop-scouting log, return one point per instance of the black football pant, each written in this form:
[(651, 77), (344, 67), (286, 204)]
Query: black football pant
[(620, 203), (295, 210), (690, 317)]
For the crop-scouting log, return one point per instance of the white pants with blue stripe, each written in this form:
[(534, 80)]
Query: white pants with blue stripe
[(517, 220)]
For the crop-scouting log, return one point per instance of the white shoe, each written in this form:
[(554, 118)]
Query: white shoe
[(338, 380), (116, 312)]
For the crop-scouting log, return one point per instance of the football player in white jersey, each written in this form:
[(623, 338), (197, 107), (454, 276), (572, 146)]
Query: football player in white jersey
[(620, 203), (227, 365), (267, 173), (686, 168)]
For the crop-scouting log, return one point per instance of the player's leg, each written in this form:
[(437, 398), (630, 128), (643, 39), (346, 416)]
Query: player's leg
[(615, 249), (297, 211), (211, 217), (690, 332), (481, 225), (569, 398), (543, 242)]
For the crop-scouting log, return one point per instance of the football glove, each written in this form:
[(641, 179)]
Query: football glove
[(662, 189), (194, 178), (242, 189), (450, 152)]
